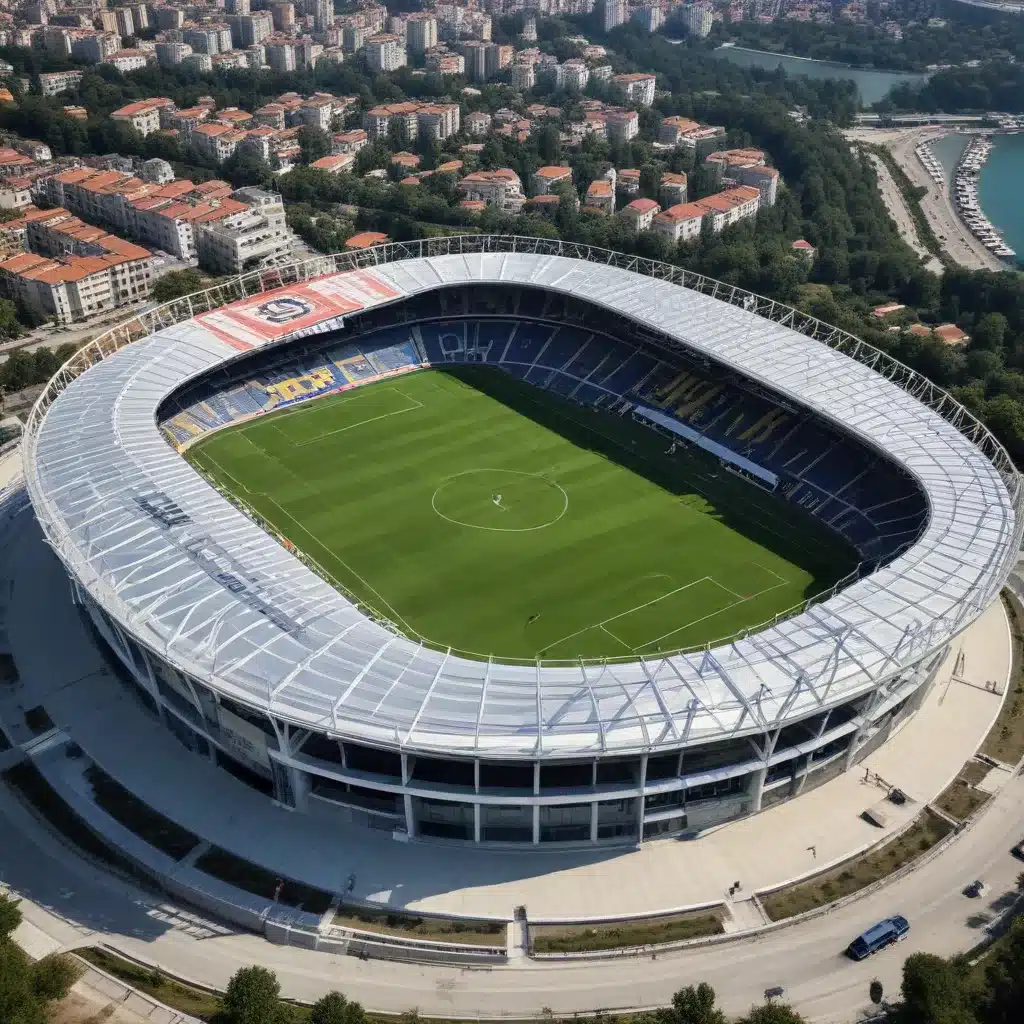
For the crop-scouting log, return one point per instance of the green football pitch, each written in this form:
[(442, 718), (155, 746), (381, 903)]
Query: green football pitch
[(479, 513)]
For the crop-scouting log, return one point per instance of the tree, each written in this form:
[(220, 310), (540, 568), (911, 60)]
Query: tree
[(175, 284), (334, 1008), (875, 991), (990, 332), (53, 976), (1004, 978), (772, 1013), (10, 915), (9, 324), (692, 1005), (933, 992), (26, 989), (314, 143), (252, 997)]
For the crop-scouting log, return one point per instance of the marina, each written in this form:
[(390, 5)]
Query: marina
[(965, 195)]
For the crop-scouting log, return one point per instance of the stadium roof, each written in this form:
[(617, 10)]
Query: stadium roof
[(195, 580)]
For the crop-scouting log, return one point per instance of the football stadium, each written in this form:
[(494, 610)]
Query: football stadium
[(509, 541)]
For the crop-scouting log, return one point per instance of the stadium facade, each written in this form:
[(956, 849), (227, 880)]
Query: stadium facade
[(252, 659)]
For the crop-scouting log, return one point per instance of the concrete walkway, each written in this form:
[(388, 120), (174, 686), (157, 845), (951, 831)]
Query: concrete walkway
[(61, 669)]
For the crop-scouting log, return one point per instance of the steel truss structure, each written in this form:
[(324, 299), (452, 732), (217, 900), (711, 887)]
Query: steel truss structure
[(284, 643)]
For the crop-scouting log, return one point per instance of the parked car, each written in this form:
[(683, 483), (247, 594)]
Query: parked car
[(1018, 850), (976, 889)]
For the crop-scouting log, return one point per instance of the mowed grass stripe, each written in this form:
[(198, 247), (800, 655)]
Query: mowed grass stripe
[(363, 482)]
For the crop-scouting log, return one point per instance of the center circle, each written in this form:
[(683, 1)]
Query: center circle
[(502, 500)]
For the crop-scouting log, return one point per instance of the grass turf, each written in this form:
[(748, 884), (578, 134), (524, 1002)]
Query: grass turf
[(480, 513)]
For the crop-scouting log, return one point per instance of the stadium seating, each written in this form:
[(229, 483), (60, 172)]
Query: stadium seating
[(855, 492)]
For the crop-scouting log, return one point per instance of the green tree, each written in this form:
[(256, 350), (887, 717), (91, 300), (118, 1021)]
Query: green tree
[(933, 992), (175, 284), (314, 143), (692, 1005), (27, 988), (990, 332), (875, 991), (10, 327), (334, 1008), (252, 997), (1005, 981), (10, 915), (53, 976), (772, 1013)]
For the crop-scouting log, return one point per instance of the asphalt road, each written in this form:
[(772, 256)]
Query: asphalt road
[(84, 906)]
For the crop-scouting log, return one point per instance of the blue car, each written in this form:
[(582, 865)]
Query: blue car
[(885, 933)]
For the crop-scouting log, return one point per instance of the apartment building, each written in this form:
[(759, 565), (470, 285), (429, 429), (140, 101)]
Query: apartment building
[(438, 120), (636, 88), (679, 223), (13, 162), (478, 123), (349, 142), (747, 167), (640, 213), (246, 239), (523, 76), (95, 46), (575, 74), (441, 61), (672, 189), (15, 193), (318, 112), (271, 114), (421, 32), (55, 82), (143, 116), (186, 121), (615, 14), (546, 178), (216, 141), (601, 196), (385, 52), (621, 125), (281, 54), (501, 189), (697, 19), (673, 129), (170, 54), (335, 163), (649, 18)]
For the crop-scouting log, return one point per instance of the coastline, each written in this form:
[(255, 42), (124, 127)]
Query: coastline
[(966, 198)]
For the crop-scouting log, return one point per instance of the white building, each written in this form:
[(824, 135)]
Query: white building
[(385, 53), (615, 13), (247, 239), (636, 88), (421, 32), (697, 19)]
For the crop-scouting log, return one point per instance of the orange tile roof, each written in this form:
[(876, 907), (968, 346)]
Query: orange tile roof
[(599, 189), (553, 172), (365, 239), (641, 206)]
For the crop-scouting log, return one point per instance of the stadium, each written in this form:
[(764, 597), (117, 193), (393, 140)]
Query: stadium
[(509, 541)]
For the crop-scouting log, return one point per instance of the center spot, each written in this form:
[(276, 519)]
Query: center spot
[(502, 500)]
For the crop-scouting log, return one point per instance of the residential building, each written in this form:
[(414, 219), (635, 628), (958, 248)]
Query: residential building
[(575, 74), (523, 76), (366, 240), (621, 125), (143, 116), (95, 47), (78, 113), (478, 123), (385, 52), (438, 120), (334, 164), (640, 213), (441, 61), (421, 32), (649, 18), (202, 38), (501, 189), (628, 181), (697, 19), (679, 223), (672, 189), (271, 114), (545, 179), (636, 88), (615, 13), (474, 52), (318, 113), (354, 37), (675, 128), (184, 121), (125, 22), (323, 15), (601, 196), (55, 82), (171, 54), (15, 193), (246, 239), (127, 60), (804, 249), (199, 61), (281, 54), (215, 141), (13, 162), (284, 16), (251, 29), (378, 120), (157, 171), (349, 142)]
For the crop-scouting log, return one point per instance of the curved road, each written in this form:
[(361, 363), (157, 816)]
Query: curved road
[(88, 906)]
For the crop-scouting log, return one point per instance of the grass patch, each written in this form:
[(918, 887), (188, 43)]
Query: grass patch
[(580, 938), (1005, 741), (139, 817), (849, 878), (962, 797), (30, 783), (411, 926), (193, 1001), (252, 878), (402, 489)]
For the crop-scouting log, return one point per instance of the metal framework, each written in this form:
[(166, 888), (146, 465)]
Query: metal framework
[(281, 640)]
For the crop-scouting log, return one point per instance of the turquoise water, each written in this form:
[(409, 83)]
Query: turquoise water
[(872, 85), (999, 190)]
